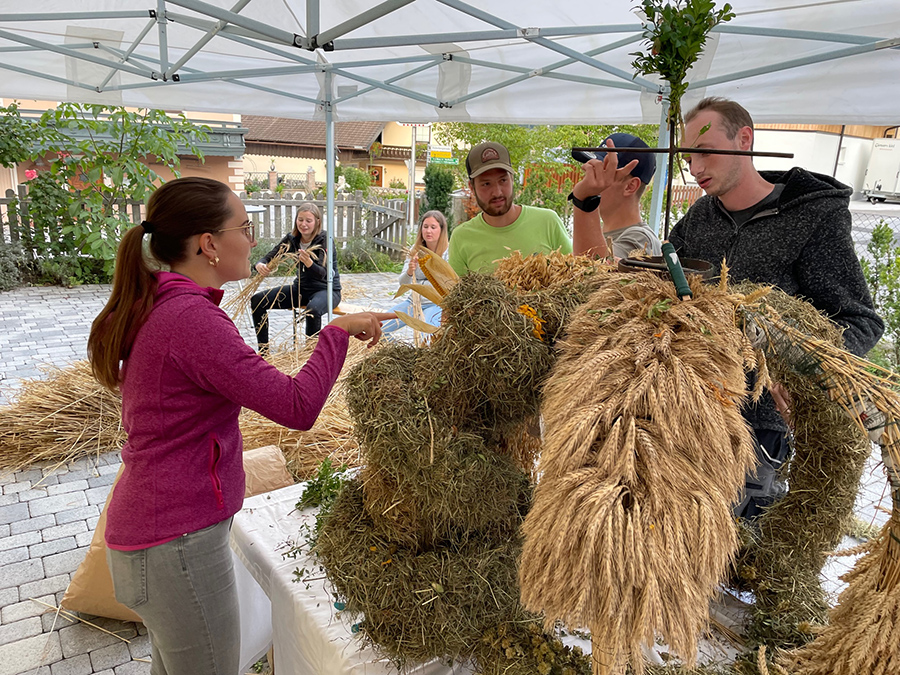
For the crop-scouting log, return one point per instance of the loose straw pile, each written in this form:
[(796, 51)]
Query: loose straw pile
[(69, 415), (645, 450), (65, 416)]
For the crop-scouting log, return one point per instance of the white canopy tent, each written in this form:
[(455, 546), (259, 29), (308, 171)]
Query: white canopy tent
[(511, 61)]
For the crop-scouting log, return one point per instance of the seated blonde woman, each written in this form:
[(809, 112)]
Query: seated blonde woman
[(432, 235)]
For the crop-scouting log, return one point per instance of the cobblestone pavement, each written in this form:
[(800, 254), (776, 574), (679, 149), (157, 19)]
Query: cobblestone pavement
[(47, 516)]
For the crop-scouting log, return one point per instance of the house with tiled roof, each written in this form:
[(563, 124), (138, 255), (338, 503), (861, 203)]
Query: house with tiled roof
[(294, 146)]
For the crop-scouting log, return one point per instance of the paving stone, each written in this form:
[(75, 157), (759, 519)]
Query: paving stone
[(77, 665), (60, 563), (110, 657), (92, 523), (28, 475), (17, 540), (9, 596), (103, 479), (14, 555), (32, 524), (51, 621), (20, 630), (76, 476), (65, 530), (57, 504), (5, 531), (140, 647), (77, 514), (14, 512), (43, 586), (16, 574), (33, 493), (24, 610), (27, 656), (69, 486), (134, 668), (7, 500), (12, 488), (84, 539), (52, 547), (98, 495), (80, 638)]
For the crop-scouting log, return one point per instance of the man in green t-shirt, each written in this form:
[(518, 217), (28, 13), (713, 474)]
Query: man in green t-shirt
[(502, 226)]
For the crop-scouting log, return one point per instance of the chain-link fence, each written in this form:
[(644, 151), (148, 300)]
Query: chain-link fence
[(863, 225)]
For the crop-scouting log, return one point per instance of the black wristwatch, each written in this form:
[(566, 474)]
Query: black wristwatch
[(586, 205)]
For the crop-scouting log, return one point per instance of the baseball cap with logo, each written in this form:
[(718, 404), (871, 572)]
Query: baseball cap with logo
[(486, 156), (646, 165)]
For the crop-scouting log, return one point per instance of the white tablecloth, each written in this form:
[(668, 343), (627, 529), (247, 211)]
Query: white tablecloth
[(310, 637)]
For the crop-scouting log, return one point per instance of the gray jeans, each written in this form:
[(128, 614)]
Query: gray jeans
[(184, 591)]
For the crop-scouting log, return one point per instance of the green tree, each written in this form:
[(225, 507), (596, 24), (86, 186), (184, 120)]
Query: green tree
[(95, 155), (882, 272), (540, 154), (439, 182)]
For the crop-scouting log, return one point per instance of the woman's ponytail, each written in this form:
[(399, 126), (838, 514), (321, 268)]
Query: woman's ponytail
[(129, 304)]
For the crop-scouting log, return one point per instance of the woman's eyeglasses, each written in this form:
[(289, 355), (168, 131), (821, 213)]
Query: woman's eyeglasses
[(248, 228)]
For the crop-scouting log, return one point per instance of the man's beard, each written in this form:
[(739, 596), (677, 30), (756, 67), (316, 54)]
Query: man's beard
[(494, 211)]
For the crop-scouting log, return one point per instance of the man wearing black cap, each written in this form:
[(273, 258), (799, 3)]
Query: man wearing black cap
[(502, 226), (613, 196)]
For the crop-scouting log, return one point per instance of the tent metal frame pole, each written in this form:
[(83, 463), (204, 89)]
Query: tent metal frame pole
[(312, 17), (391, 80), (66, 51), (118, 53), (162, 31), (203, 41), (357, 21), (549, 44), (796, 63), (126, 55), (329, 190), (478, 36), (422, 98), (793, 34), (283, 36), (659, 186), (47, 76), (74, 16), (258, 72), (239, 83)]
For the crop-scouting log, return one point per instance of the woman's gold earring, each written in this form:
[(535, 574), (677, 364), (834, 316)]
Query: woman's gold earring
[(214, 261)]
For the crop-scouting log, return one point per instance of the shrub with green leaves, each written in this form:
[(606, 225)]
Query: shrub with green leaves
[(882, 273), (95, 155), (360, 255), (439, 183), (10, 263)]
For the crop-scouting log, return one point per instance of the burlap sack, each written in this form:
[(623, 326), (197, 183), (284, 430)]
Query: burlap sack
[(91, 588)]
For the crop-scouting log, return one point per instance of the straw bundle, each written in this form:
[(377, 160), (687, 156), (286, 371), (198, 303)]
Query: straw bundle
[(284, 262), (425, 483), (60, 418), (69, 415), (485, 369), (424, 544), (644, 451), (786, 547), (863, 635), (553, 284), (549, 270)]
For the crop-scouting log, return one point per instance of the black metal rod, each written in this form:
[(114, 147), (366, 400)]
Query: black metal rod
[(705, 151)]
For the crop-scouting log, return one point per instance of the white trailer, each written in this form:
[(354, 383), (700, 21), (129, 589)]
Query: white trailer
[(883, 171)]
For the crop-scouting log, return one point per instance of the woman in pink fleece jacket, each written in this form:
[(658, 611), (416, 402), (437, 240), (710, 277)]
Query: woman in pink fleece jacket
[(184, 373)]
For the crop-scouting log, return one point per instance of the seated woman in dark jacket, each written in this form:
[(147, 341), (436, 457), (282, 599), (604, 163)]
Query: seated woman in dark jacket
[(310, 289)]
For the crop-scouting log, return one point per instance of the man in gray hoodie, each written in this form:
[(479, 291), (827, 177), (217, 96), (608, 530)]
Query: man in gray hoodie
[(790, 229)]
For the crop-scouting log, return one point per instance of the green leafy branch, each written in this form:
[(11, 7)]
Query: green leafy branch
[(674, 37)]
